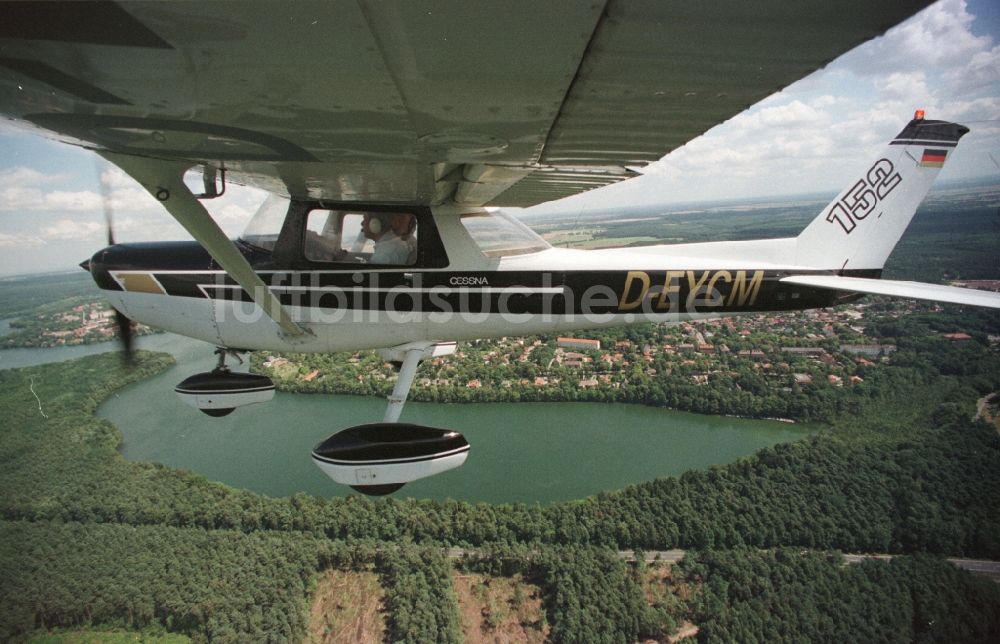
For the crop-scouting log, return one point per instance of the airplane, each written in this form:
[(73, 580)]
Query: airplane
[(391, 134)]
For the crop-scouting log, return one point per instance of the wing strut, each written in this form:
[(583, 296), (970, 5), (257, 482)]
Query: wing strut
[(165, 180)]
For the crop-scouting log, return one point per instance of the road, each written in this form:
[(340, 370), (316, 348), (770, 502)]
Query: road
[(977, 566)]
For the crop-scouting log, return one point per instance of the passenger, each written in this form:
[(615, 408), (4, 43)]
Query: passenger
[(405, 225), (390, 248)]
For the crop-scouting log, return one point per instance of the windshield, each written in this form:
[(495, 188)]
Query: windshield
[(264, 227), (498, 234)]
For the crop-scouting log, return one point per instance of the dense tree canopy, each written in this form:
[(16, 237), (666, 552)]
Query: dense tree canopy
[(87, 538), (788, 595)]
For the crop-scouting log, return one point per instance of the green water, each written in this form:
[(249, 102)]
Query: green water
[(527, 452)]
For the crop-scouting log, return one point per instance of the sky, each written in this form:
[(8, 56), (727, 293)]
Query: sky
[(814, 136)]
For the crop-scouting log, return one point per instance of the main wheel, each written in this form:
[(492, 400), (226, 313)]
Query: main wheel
[(378, 490), (218, 413)]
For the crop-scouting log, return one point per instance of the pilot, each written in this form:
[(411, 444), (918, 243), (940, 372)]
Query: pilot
[(390, 247)]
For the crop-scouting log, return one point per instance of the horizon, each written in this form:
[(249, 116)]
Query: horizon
[(665, 210)]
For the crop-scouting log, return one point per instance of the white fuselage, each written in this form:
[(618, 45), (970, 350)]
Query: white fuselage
[(476, 296)]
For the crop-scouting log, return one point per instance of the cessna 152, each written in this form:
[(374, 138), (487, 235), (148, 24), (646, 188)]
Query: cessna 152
[(384, 130)]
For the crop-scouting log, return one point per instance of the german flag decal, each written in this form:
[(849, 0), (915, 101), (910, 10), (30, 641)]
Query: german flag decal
[(933, 158)]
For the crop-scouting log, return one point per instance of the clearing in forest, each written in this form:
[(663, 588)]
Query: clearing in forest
[(988, 408), (347, 608), (663, 591), (500, 609)]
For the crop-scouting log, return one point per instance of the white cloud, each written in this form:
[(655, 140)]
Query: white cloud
[(136, 214), (131, 228), (21, 176), (29, 199), (792, 114), (815, 134), (60, 200), (113, 177), (26, 189), (73, 230), (233, 214), (906, 86), (937, 37), (16, 240)]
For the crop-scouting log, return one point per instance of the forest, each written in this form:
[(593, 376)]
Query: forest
[(24, 294), (92, 542), (790, 595), (907, 473)]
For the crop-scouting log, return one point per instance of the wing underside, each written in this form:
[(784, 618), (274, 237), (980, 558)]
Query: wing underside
[(511, 103)]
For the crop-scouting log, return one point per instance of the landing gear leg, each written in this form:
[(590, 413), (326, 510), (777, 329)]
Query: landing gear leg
[(222, 352), (409, 356)]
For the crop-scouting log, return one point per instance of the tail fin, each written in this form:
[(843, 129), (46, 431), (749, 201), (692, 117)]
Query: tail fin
[(859, 229)]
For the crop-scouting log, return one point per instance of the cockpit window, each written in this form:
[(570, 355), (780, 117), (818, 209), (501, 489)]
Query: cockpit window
[(360, 237), (263, 229), (498, 234)]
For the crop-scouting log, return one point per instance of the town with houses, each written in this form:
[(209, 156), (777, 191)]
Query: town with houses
[(81, 321), (766, 354), (771, 354)]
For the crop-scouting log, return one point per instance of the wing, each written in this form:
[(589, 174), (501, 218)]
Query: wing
[(504, 103)]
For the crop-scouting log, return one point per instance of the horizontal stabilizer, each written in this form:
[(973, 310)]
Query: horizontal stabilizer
[(914, 290)]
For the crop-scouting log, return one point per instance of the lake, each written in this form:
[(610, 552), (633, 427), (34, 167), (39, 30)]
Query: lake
[(526, 452), (530, 452)]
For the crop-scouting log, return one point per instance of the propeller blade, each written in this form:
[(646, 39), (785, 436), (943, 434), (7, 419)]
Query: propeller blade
[(106, 202), (124, 324)]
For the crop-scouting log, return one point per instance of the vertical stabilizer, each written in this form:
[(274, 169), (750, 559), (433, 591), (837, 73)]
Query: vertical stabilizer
[(859, 229)]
